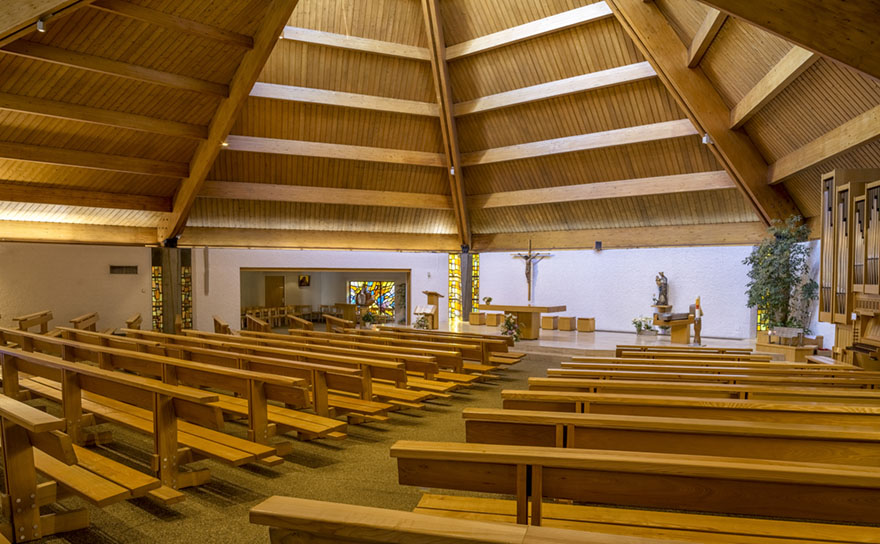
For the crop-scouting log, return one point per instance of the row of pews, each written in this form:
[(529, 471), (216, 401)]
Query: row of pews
[(193, 393), (650, 445)]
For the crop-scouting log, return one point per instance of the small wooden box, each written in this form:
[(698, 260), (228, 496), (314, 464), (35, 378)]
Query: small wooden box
[(494, 320), (548, 322), (586, 324), (477, 318), (567, 323)]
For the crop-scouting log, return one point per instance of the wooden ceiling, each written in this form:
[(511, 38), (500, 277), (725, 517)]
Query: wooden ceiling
[(417, 124)]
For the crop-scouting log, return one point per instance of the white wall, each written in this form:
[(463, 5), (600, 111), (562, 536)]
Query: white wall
[(615, 286), (429, 271), (72, 280)]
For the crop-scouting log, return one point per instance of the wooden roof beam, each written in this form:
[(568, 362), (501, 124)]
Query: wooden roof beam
[(792, 65), (443, 88), (275, 16), (323, 195), (96, 161), (657, 236), (302, 148), (528, 31), (345, 100), (17, 17), (75, 233), (86, 114), (318, 239), (73, 197), (710, 28), (621, 75), (661, 185), (609, 138), (700, 101), (80, 61), (843, 31), (858, 131), (172, 22), (354, 43)]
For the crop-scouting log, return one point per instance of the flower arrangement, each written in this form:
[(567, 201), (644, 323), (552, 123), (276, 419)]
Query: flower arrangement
[(421, 322), (368, 319), (487, 300), (643, 324), (510, 327)]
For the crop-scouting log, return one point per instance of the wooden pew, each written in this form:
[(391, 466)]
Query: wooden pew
[(690, 483), (471, 348), (716, 363), (336, 324), (134, 322), (748, 439), (710, 390), (41, 319), (732, 368), (299, 323), (75, 385), (454, 334), (363, 406), (855, 380), (256, 387), (302, 521), (774, 411), (87, 322), (220, 326), (255, 324), (685, 349), (487, 346), (683, 355)]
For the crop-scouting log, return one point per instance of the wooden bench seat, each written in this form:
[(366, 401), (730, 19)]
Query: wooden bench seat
[(850, 380), (698, 356), (713, 390), (779, 411), (686, 349), (822, 360), (308, 426), (814, 370), (675, 526), (713, 363), (690, 483), (302, 521), (747, 439)]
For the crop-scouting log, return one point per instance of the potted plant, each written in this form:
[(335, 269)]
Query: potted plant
[(779, 276), (644, 325), (368, 319), (510, 327)]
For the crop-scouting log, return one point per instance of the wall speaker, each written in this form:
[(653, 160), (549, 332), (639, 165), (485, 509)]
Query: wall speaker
[(598, 245)]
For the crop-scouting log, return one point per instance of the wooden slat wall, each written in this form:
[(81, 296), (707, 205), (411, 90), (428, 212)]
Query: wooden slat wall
[(21, 211), (466, 20)]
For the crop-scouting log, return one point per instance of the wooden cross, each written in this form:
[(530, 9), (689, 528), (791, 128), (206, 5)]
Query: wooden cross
[(530, 259)]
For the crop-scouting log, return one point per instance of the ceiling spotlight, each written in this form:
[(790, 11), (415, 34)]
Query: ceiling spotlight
[(225, 144), (452, 171), (41, 24), (708, 139)]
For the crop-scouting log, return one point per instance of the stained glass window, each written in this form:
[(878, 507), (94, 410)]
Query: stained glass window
[(157, 299), (383, 294), (186, 296), (763, 320), (454, 287), (475, 282)]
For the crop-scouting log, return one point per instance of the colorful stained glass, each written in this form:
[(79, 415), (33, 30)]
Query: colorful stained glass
[(157, 298), (475, 282), (186, 293), (383, 294), (454, 295)]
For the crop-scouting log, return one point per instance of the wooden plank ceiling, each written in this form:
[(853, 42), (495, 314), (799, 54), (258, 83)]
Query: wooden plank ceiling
[(547, 116)]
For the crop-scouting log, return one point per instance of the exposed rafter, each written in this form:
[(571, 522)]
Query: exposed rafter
[(354, 43), (274, 18), (345, 100), (582, 142), (621, 75), (334, 151), (73, 233), (172, 22), (855, 132), (17, 17), (792, 65), (659, 43), (324, 195), (528, 31), (843, 31), (657, 236), (86, 114), (72, 59), (705, 35), (681, 183), (96, 161), (443, 88), (10, 192), (314, 239)]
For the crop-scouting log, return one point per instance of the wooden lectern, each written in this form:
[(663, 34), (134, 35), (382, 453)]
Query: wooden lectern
[(349, 311), (434, 300)]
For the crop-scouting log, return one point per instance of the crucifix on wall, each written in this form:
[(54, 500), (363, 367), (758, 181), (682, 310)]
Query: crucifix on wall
[(530, 259)]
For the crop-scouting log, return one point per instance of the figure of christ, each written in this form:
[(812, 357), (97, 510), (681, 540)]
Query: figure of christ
[(530, 259)]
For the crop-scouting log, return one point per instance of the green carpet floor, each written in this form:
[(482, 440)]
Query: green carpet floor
[(356, 470)]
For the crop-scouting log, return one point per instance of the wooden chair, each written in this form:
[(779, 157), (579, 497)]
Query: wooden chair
[(40, 319)]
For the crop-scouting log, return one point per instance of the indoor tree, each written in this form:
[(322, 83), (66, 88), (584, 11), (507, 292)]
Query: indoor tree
[(779, 275)]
